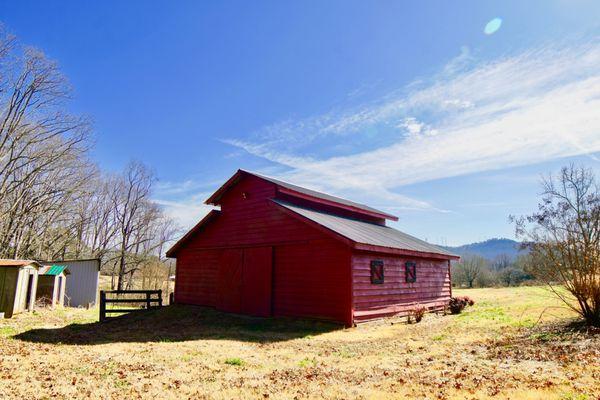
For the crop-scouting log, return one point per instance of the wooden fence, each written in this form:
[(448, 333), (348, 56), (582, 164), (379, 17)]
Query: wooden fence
[(149, 298)]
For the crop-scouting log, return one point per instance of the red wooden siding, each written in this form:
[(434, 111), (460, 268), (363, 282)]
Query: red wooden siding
[(259, 258), (395, 296), (197, 276), (256, 281), (311, 271), (229, 281), (251, 221), (233, 280), (312, 280)]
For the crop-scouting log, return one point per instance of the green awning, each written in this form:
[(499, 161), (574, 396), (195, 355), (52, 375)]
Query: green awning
[(56, 270)]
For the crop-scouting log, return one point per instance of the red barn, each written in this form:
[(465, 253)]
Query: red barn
[(277, 249)]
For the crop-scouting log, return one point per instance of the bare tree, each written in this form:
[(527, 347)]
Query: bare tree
[(469, 269), (157, 269), (42, 150), (563, 237), (132, 209), (54, 202), (501, 262)]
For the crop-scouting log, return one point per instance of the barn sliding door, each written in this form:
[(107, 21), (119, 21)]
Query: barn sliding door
[(244, 281), (256, 281), (229, 283)]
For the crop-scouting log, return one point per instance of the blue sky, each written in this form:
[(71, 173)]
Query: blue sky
[(415, 108)]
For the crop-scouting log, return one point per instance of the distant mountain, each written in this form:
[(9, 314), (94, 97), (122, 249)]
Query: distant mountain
[(489, 249)]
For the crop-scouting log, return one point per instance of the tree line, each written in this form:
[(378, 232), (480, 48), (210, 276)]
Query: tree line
[(55, 202), (476, 271)]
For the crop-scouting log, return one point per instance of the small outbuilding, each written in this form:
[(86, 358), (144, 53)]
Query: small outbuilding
[(278, 249), (52, 282), (18, 285), (82, 289)]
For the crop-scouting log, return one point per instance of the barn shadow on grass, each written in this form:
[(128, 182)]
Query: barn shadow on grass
[(179, 323)]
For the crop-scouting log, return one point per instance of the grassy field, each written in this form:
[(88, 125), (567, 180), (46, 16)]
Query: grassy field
[(514, 343)]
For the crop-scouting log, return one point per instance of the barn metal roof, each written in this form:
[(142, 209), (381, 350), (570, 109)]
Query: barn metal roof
[(298, 189), (365, 232)]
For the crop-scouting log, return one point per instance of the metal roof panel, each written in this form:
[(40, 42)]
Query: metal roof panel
[(54, 270), (365, 232)]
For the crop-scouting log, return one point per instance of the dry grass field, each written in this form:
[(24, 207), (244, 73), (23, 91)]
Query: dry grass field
[(514, 343)]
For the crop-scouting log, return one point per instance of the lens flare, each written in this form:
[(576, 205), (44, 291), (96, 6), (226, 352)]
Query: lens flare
[(492, 26)]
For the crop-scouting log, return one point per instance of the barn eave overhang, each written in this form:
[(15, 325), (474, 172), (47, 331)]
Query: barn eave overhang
[(403, 252)]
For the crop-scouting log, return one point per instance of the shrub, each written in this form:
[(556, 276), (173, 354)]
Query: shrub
[(469, 300), (457, 304), (418, 313)]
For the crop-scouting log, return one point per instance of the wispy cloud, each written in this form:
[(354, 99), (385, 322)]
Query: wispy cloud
[(186, 212), (184, 201), (188, 186), (472, 116)]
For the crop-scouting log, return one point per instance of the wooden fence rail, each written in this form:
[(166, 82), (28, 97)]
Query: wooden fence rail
[(145, 297)]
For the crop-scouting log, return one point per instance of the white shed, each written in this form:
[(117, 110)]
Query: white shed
[(18, 285), (82, 286)]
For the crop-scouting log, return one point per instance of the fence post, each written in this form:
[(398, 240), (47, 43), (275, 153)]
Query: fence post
[(148, 300), (160, 297), (102, 305)]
